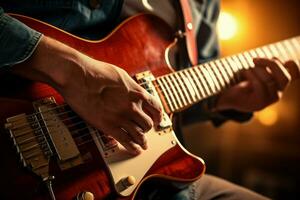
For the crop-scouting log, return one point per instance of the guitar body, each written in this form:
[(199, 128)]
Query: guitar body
[(138, 44)]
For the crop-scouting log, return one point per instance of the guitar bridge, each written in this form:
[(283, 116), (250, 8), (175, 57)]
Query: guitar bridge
[(30, 142), (41, 135)]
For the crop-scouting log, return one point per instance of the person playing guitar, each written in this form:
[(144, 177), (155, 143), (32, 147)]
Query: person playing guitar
[(103, 93)]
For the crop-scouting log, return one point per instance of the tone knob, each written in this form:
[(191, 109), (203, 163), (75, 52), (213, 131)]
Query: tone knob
[(85, 196), (128, 181)]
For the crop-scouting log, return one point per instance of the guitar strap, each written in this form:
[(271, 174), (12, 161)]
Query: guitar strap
[(190, 34), (187, 52)]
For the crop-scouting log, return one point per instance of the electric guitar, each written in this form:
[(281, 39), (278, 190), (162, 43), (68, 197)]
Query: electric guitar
[(45, 141)]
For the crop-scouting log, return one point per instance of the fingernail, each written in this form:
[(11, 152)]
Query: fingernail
[(137, 151), (145, 146)]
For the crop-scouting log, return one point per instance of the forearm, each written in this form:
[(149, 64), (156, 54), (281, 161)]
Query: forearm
[(52, 62)]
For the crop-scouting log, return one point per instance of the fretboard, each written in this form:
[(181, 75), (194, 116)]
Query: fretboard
[(183, 88)]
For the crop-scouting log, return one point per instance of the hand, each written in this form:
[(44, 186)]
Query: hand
[(262, 86), (106, 97), (102, 94)]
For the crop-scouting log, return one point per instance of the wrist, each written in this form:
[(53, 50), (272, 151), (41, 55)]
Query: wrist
[(211, 104), (51, 62)]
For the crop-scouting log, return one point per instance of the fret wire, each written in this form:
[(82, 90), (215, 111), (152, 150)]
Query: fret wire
[(296, 44), (290, 49), (285, 51), (218, 74), (280, 48), (260, 53), (173, 101), (171, 94), (175, 92), (253, 53), (218, 64), (188, 89), (181, 84), (191, 81), (213, 76), (208, 79), (243, 65), (238, 62), (243, 60), (181, 95), (249, 59), (165, 91), (274, 50), (198, 84), (158, 86), (165, 94), (232, 64), (204, 82), (228, 68), (267, 52)]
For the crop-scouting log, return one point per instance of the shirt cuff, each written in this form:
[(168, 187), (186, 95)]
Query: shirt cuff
[(17, 41), (204, 112)]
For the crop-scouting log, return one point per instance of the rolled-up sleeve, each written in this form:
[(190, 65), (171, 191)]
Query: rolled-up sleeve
[(17, 41)]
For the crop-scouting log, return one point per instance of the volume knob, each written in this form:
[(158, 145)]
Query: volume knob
[(86, 195), (128, 181)]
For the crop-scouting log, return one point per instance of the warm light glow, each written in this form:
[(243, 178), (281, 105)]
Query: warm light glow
[(227, 26), (268, 116)]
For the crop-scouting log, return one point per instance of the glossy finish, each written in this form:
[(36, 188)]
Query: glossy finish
[(137, 45)]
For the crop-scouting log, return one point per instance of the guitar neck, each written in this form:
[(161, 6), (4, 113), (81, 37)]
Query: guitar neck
[(184, 88)]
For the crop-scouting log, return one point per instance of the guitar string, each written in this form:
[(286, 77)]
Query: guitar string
[(81, 136), (55, 108), (39, 144), (291, 55), (85, 141), (54, 152), (158, 86), (70, 118), (45, 142), (43, 126), (35, 121)]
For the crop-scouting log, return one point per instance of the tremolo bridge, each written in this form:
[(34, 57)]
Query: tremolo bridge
[(52, 131), (39, 136)]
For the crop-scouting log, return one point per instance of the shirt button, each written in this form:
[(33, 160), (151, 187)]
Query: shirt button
[(95, 4)]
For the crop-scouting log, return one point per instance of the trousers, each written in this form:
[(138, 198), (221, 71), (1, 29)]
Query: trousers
[(210, 187)]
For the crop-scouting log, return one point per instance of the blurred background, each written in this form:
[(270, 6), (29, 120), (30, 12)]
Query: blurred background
[(264, 153)]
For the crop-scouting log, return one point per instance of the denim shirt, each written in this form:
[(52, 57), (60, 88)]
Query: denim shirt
[(81, 18), (18, 41)]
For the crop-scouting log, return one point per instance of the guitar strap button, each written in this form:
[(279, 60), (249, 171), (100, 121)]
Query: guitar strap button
[(85, 196)]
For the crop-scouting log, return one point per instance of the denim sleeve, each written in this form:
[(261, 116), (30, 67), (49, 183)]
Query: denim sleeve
[(203, 112), (17, 41)]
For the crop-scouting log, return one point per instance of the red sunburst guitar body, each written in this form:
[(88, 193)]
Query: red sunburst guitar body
[(139, 44)]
